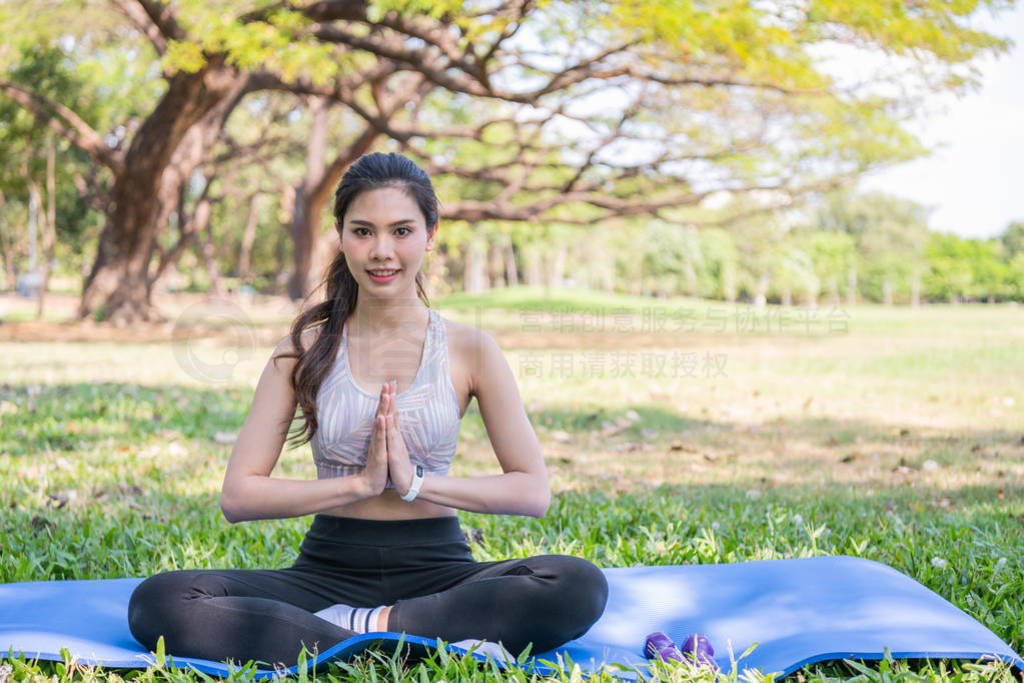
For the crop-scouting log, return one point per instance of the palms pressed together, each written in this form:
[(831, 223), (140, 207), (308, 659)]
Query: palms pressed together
[(388, 456)]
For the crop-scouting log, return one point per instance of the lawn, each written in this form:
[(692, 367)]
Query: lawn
[(675, 431)]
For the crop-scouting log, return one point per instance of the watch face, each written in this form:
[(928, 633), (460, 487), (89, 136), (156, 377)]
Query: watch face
[(419, 470)]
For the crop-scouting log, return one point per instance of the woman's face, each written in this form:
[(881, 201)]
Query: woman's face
[(384, 229)]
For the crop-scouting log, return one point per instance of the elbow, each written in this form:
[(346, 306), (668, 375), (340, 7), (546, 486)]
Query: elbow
[(229, 512), (541, 504), (230, 508)]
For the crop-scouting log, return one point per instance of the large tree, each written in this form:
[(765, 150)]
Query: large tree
[(662, 104)]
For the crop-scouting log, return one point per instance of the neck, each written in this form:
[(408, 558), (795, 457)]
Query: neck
[(388, 317)]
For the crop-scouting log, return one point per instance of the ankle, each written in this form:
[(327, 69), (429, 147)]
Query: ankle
[(382, 619)]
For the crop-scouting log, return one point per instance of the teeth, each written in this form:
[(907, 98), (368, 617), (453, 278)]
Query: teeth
[(383, 272)]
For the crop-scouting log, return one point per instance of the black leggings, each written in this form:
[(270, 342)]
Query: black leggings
[(422, 567)]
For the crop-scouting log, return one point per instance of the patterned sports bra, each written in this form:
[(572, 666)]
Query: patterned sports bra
[(429, 413)]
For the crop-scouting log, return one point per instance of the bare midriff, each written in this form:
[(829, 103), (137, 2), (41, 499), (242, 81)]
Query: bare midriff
[(389, 505)]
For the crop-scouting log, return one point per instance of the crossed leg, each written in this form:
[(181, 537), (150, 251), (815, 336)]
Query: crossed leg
[(268, 615), (545, 600), (240, 614)]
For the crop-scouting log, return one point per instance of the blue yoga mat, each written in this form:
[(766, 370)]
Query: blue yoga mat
[(797, 612)]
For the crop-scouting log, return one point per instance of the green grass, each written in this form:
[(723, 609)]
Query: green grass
[(809, 444)]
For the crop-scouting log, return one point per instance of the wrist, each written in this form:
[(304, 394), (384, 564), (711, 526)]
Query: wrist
[(364, 487), (413, 489)]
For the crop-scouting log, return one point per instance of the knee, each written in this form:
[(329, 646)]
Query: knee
[(152, 607), (580, 590)]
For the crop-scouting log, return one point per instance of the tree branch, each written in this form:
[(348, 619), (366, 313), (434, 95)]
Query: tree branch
[(65, 123), (142, 20)]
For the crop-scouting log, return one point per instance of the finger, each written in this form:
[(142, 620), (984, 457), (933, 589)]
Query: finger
[(375, 433)]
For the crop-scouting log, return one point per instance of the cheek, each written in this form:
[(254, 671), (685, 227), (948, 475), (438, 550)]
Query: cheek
[(413, 250)]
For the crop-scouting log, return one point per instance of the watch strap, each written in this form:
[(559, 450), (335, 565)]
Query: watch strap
[(417, 482)]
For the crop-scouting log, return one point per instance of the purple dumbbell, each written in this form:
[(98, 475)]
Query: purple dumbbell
[(660, 646), (697, 649)]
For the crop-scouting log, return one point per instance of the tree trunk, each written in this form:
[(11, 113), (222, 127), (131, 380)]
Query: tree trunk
[(188, 228), (729, 284), (50, 224), (691, 280), (169, 145), (207, 249), (533, 273), (248, 238), (475, 277), (787, 296), (33, 223), (851, 287), (887, 291), (556, 269), (496, 266), (6, 249), (511, 272), (761, 293), (833, 290), (438, 275), (304, 229)]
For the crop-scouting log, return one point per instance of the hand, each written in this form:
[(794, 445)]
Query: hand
[(399, 466), (375, 473)]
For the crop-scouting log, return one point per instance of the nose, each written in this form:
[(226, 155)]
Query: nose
[(381, 248)]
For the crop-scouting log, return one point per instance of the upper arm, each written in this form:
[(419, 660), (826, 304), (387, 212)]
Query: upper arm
[(497, 394), (263, 434)]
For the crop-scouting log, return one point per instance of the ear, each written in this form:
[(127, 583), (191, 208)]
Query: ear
[(433, 235)]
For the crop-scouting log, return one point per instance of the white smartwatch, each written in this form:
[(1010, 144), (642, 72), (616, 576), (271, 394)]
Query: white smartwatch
[(417, 482)]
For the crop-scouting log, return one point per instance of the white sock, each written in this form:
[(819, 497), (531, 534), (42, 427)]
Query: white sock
[(358, 619)]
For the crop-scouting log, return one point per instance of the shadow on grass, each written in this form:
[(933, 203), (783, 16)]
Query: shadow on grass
[(79, 416)]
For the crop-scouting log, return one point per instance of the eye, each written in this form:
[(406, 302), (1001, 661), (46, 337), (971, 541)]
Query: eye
[(356, 231), (406, 229)]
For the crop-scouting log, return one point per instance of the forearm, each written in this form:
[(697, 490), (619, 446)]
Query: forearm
[(259, 497), (511, 493)]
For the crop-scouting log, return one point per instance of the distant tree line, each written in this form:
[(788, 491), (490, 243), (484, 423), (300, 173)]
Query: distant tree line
[(848, 249), (845, 249)]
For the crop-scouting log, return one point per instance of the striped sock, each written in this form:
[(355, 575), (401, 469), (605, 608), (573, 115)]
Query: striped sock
[(358, 619)]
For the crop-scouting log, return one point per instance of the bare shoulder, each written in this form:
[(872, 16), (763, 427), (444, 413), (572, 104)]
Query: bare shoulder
[(473, 351), (285, 346)]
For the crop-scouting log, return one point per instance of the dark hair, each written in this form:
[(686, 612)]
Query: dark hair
[(369, 172)]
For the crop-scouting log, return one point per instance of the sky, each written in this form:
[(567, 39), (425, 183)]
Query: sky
[(974, 182)]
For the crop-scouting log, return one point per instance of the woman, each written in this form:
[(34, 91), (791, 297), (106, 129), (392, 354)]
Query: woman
[(382, 382)]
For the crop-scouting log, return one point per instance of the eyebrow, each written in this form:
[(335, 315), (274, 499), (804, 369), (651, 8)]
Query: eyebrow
[(359, 221)]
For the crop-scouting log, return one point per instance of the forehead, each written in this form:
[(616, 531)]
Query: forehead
[(384, 205)]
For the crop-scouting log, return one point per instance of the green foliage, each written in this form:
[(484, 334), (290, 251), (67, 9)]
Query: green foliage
[(967, 268), (1013, 239), (50, 72)]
